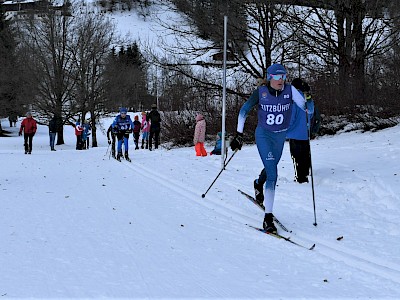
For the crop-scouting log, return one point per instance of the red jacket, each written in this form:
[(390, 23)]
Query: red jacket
[(28, 125), (78, 130)]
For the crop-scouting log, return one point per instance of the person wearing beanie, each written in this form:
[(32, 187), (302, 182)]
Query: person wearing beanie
[(78, 134), (122, 127), (200, 136), (218, 145), (298, 135), (111, 139), (155, 127), (29, 127), (274, 103), (136, 131)]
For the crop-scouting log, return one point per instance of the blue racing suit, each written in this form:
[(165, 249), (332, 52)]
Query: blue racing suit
[(274, 115), (122, 128)]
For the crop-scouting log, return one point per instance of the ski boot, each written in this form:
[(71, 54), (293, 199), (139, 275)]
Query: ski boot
[(268, 223), (259, 193), (119, 155), (302, 179), (127, 157)]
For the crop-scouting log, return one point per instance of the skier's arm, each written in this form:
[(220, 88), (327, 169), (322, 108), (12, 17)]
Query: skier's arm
[(247, 106)]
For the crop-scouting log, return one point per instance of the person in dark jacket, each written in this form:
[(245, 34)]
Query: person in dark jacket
[(111, 139), (136, 131), (13, 119), (155, 126), (29, 127), (52, 132)]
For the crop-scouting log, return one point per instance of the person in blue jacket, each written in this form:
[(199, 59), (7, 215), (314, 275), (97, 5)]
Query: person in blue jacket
[(218, 145), (85, 134), (299, 134), (122, 126), (275, 102)]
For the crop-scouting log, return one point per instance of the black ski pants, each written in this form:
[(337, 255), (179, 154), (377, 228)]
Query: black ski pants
[(300, 152)]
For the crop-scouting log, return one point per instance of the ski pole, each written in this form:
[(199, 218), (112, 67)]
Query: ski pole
[(203, 195), (311, 169), (107, 150)]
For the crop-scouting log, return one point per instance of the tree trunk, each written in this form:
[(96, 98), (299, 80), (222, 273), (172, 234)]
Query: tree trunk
[(94, 133), (359, 85), (60, 130)]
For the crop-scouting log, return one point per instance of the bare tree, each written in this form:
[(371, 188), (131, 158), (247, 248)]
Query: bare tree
[(92, 38), (9, 71), (340, 39), (45, 50)]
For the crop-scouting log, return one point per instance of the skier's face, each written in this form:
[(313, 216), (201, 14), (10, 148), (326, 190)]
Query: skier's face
[(277, 82), (123, 115)]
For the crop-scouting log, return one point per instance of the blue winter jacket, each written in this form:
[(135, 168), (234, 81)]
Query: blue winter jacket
[(298, 128), (123, 124)]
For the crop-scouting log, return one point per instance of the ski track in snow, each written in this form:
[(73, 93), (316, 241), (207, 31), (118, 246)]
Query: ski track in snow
[(356, 259)]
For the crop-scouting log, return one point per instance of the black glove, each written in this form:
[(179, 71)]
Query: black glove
[(237, 142), (20, 133), (109, 142)]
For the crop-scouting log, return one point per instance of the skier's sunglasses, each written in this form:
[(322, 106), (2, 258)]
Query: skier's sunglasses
[(278, 77)]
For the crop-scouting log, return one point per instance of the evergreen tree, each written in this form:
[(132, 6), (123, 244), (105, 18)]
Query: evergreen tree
[(8, 70)]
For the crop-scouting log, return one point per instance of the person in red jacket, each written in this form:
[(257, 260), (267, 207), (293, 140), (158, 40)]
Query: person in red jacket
[(78, 132), (28, 125)]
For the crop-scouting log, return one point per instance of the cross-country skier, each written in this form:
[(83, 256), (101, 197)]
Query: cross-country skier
[(111, 139), (123, 126), (274, 102), (299, 143)]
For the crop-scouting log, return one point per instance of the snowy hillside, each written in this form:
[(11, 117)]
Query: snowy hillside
[(76, 224)]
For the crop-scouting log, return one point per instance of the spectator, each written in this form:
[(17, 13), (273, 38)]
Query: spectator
[(200, 136), (52, 132), (29, 127), (155, 126), (218, 145), (78, 133)]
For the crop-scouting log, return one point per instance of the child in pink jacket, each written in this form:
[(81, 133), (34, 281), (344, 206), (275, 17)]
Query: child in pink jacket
[(200, 136), (145, 130)]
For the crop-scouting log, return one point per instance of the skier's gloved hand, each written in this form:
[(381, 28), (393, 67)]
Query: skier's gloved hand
[(20, 133), (109, 142), (237, 141)]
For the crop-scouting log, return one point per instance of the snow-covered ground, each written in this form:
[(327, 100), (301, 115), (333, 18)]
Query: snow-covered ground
[(76, 224)]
